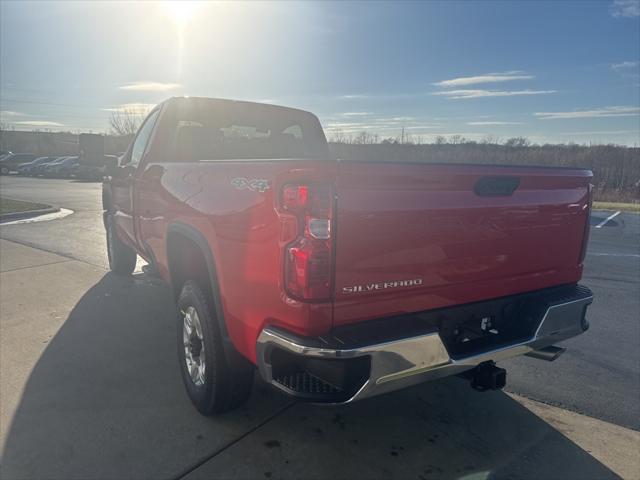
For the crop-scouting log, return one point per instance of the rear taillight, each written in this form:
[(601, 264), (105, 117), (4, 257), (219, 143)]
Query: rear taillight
[(587, 225), (308, 259)]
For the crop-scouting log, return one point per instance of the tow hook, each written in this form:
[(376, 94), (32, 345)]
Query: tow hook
[(487, 376)]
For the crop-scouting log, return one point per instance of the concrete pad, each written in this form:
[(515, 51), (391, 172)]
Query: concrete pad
[(615, 446), (437, 430), (90, 382), (14, 256), (35, 304)]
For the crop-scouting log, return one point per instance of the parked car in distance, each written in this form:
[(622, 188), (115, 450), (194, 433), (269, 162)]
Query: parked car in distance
[(341, 280), (11, 161), (98, 168), (25, 168), (46, 167), (62, 168), (40, 168)]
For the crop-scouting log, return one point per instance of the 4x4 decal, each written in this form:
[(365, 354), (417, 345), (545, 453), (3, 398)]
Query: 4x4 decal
[(255, 184)]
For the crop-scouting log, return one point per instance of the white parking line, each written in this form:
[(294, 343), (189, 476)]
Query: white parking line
[(634, 255), (41, 218), (609, 218)]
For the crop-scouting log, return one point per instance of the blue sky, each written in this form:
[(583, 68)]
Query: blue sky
[(551, 71)]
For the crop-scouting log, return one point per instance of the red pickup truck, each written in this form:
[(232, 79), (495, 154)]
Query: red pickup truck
[(340, 280)]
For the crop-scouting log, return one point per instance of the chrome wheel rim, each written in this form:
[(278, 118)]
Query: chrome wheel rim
[(193, 342)]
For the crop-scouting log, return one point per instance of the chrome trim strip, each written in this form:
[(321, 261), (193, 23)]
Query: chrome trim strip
[(413, 360)]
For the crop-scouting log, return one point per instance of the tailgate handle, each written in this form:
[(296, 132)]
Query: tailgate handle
[(496, 186)]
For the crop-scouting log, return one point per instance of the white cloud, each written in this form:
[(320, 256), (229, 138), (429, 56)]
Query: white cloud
[(135, 108), (487, 124), (465, 94), (626, 8), (598, 113), (355, 114), (624, 65), (399, 119), (11, 113), (39, 123), (485, 78), (150, 86)]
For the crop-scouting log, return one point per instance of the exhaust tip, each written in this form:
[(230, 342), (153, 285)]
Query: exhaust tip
[(549, 353)]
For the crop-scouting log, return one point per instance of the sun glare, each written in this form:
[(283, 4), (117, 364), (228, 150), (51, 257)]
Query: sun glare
[(180, 12)]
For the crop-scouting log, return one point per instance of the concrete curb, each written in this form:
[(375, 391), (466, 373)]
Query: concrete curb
[(27, 214)]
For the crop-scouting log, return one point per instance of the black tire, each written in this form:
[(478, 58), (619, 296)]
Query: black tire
[(224, 387), (122, 259)]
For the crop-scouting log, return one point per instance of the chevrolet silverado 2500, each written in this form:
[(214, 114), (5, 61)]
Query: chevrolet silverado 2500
[(341, 280)]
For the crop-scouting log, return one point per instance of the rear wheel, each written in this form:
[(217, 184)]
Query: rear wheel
[(213, 385), (4, 171), (122, 259)]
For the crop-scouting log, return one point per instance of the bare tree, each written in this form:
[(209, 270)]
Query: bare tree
[(490, 140), (365, 138), (338, 136), (125, 122), (457, 139), (517, 142)]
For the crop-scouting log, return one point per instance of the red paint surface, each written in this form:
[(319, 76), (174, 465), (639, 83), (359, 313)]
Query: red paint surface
[(408, 221)]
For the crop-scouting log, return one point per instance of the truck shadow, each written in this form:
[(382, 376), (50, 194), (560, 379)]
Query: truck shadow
[(105, 400)]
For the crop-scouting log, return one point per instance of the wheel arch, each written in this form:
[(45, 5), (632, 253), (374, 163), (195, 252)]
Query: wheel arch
[(177, 234)]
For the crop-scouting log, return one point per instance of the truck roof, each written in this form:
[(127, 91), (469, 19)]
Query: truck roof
[(235, 102)]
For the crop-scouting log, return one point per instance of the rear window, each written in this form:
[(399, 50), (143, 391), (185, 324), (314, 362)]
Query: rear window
[(224, 130)]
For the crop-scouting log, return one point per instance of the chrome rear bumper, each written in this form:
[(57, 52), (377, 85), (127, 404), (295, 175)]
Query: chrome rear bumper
[(400, 363)]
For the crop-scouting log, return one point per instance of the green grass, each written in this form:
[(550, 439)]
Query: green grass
[(8, 205), (625, 207)]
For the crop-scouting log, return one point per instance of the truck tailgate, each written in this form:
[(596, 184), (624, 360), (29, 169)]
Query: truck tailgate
[(414, 237)]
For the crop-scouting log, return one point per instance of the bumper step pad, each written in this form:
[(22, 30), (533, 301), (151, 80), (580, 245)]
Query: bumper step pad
[(307, 384)]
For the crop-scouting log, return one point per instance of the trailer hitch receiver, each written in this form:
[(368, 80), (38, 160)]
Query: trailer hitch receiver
[(487, 376)]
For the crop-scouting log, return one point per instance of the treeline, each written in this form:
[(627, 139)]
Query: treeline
[(55, 143), (616, 168)]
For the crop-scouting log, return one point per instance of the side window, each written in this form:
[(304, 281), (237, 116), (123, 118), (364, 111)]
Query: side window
[(140, 143)]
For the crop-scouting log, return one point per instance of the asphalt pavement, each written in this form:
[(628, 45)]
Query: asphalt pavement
[(95, 389), (600, 372)]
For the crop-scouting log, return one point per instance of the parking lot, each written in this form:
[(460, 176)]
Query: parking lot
[(90, 386)]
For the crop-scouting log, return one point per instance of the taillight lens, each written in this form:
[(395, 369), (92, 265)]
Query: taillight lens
[(308, 259)]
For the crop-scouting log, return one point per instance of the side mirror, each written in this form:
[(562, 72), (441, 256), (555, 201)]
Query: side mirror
[(111, 166), (124, 159)]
